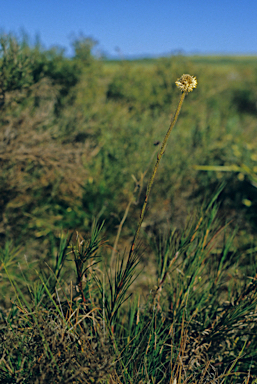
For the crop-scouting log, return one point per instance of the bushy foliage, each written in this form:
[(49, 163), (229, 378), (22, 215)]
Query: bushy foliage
[(16, 65), (76, 131), (78, 137)]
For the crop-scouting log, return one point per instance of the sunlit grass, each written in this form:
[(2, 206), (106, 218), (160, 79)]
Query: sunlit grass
[(91, 293)]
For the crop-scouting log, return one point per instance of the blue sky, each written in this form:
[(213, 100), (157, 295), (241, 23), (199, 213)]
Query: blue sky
[(138, 27)]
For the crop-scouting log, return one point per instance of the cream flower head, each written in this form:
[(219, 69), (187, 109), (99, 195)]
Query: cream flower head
[(186, 83)]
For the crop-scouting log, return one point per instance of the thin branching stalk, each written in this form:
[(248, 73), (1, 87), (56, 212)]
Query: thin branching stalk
[(150, 183), (186, 84)]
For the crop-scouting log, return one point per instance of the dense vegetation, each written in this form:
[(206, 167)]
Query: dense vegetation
[(78, 140)]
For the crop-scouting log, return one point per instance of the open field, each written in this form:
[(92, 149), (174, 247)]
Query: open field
[(79, 138)]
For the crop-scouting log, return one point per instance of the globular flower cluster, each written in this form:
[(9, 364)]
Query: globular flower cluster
[(186, 83)]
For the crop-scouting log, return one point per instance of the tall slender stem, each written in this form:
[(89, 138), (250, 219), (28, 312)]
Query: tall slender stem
[(150, 183)]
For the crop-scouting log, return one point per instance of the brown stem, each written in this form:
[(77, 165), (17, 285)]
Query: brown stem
[(150, 183)]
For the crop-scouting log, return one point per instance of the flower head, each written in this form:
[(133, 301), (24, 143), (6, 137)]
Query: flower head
[(186, 83)]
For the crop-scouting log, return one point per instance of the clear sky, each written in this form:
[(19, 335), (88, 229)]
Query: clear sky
[(138, 27)]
